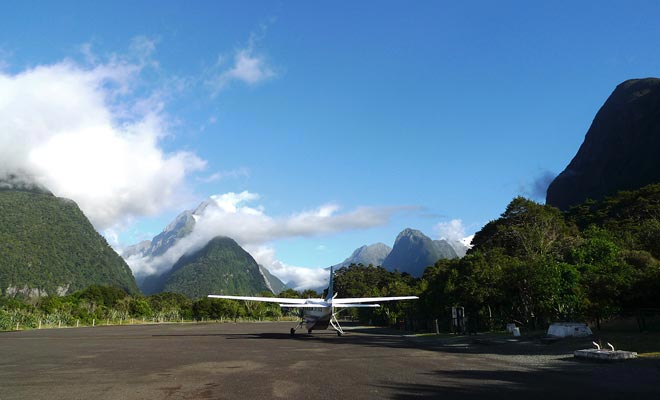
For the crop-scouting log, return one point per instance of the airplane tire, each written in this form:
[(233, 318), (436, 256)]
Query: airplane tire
[(339, 333), (293, 331), (309, 331)]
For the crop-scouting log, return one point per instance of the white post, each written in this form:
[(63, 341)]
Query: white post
[(107, 321), (59, 323), (39, 324), (94, 322), (17, 326), (77, 323)]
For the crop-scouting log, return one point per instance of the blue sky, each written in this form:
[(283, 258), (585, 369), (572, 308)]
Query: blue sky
[(422, 112)]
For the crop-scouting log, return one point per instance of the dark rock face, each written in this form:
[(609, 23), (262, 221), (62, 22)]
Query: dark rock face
[(413, 252), (621, 150)]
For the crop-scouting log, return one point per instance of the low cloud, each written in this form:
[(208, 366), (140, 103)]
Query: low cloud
[(450, 231), (298, 278), (79, 131), (232, 215)]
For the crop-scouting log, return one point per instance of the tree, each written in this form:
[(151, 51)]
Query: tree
[(604, 273)]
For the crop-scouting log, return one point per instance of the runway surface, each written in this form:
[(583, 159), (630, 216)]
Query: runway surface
[(261, 361)]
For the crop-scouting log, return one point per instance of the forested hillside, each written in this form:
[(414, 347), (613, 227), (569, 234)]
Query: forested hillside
[(47, 246), (220, 267)]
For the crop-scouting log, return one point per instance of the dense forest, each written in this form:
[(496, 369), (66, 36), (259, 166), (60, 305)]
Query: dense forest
[(533, 265), (536, 264), (47, 244)]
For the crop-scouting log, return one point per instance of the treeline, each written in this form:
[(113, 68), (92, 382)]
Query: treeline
[(98, 305), (535, 264)]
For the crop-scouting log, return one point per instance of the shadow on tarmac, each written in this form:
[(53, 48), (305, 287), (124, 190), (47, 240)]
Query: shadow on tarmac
[(578, 380)]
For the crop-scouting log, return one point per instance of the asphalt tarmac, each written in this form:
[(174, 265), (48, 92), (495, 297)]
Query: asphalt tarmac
[(262, 361)]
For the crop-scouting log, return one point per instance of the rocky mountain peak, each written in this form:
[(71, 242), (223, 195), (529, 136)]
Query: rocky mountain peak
[(413, 251), (620, 150)]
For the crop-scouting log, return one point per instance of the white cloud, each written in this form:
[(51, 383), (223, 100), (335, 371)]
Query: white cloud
[(230, 215), (78, 131), (451, 231), (248, 67), (298, 278)]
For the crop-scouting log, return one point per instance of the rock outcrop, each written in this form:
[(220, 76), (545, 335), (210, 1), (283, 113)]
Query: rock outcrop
[(620, 150)]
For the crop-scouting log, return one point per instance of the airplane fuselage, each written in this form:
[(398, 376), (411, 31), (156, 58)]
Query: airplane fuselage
[(316, 319), (316, 315)]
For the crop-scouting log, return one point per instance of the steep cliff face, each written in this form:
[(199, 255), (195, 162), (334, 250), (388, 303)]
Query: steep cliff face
[(620, 151)]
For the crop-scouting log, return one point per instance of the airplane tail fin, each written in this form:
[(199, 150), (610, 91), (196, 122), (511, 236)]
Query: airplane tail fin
[(330, 286)]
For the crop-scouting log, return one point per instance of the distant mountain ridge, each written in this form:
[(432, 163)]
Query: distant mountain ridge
[(620, 150), (412, 252), (373, 254)]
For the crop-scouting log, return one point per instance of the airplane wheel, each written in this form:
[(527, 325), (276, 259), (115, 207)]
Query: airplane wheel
[(339, 333), (309, 331), (293, 331)]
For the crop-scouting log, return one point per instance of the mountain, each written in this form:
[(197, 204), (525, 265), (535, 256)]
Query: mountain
[(273, 283), (220, 267), (373, 254), (49, 247), (413, 252), (620, 150), (181, 226), (460, 246)]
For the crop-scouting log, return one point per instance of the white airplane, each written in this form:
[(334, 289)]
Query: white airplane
[(318, 314)]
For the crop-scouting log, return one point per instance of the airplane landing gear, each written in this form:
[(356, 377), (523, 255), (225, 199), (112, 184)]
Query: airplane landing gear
[(335, 325), (293, 330)]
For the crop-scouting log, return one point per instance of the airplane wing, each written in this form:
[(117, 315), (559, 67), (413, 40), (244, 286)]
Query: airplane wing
[(339, 302), (309, 305), (347, 305), (281, 300)]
